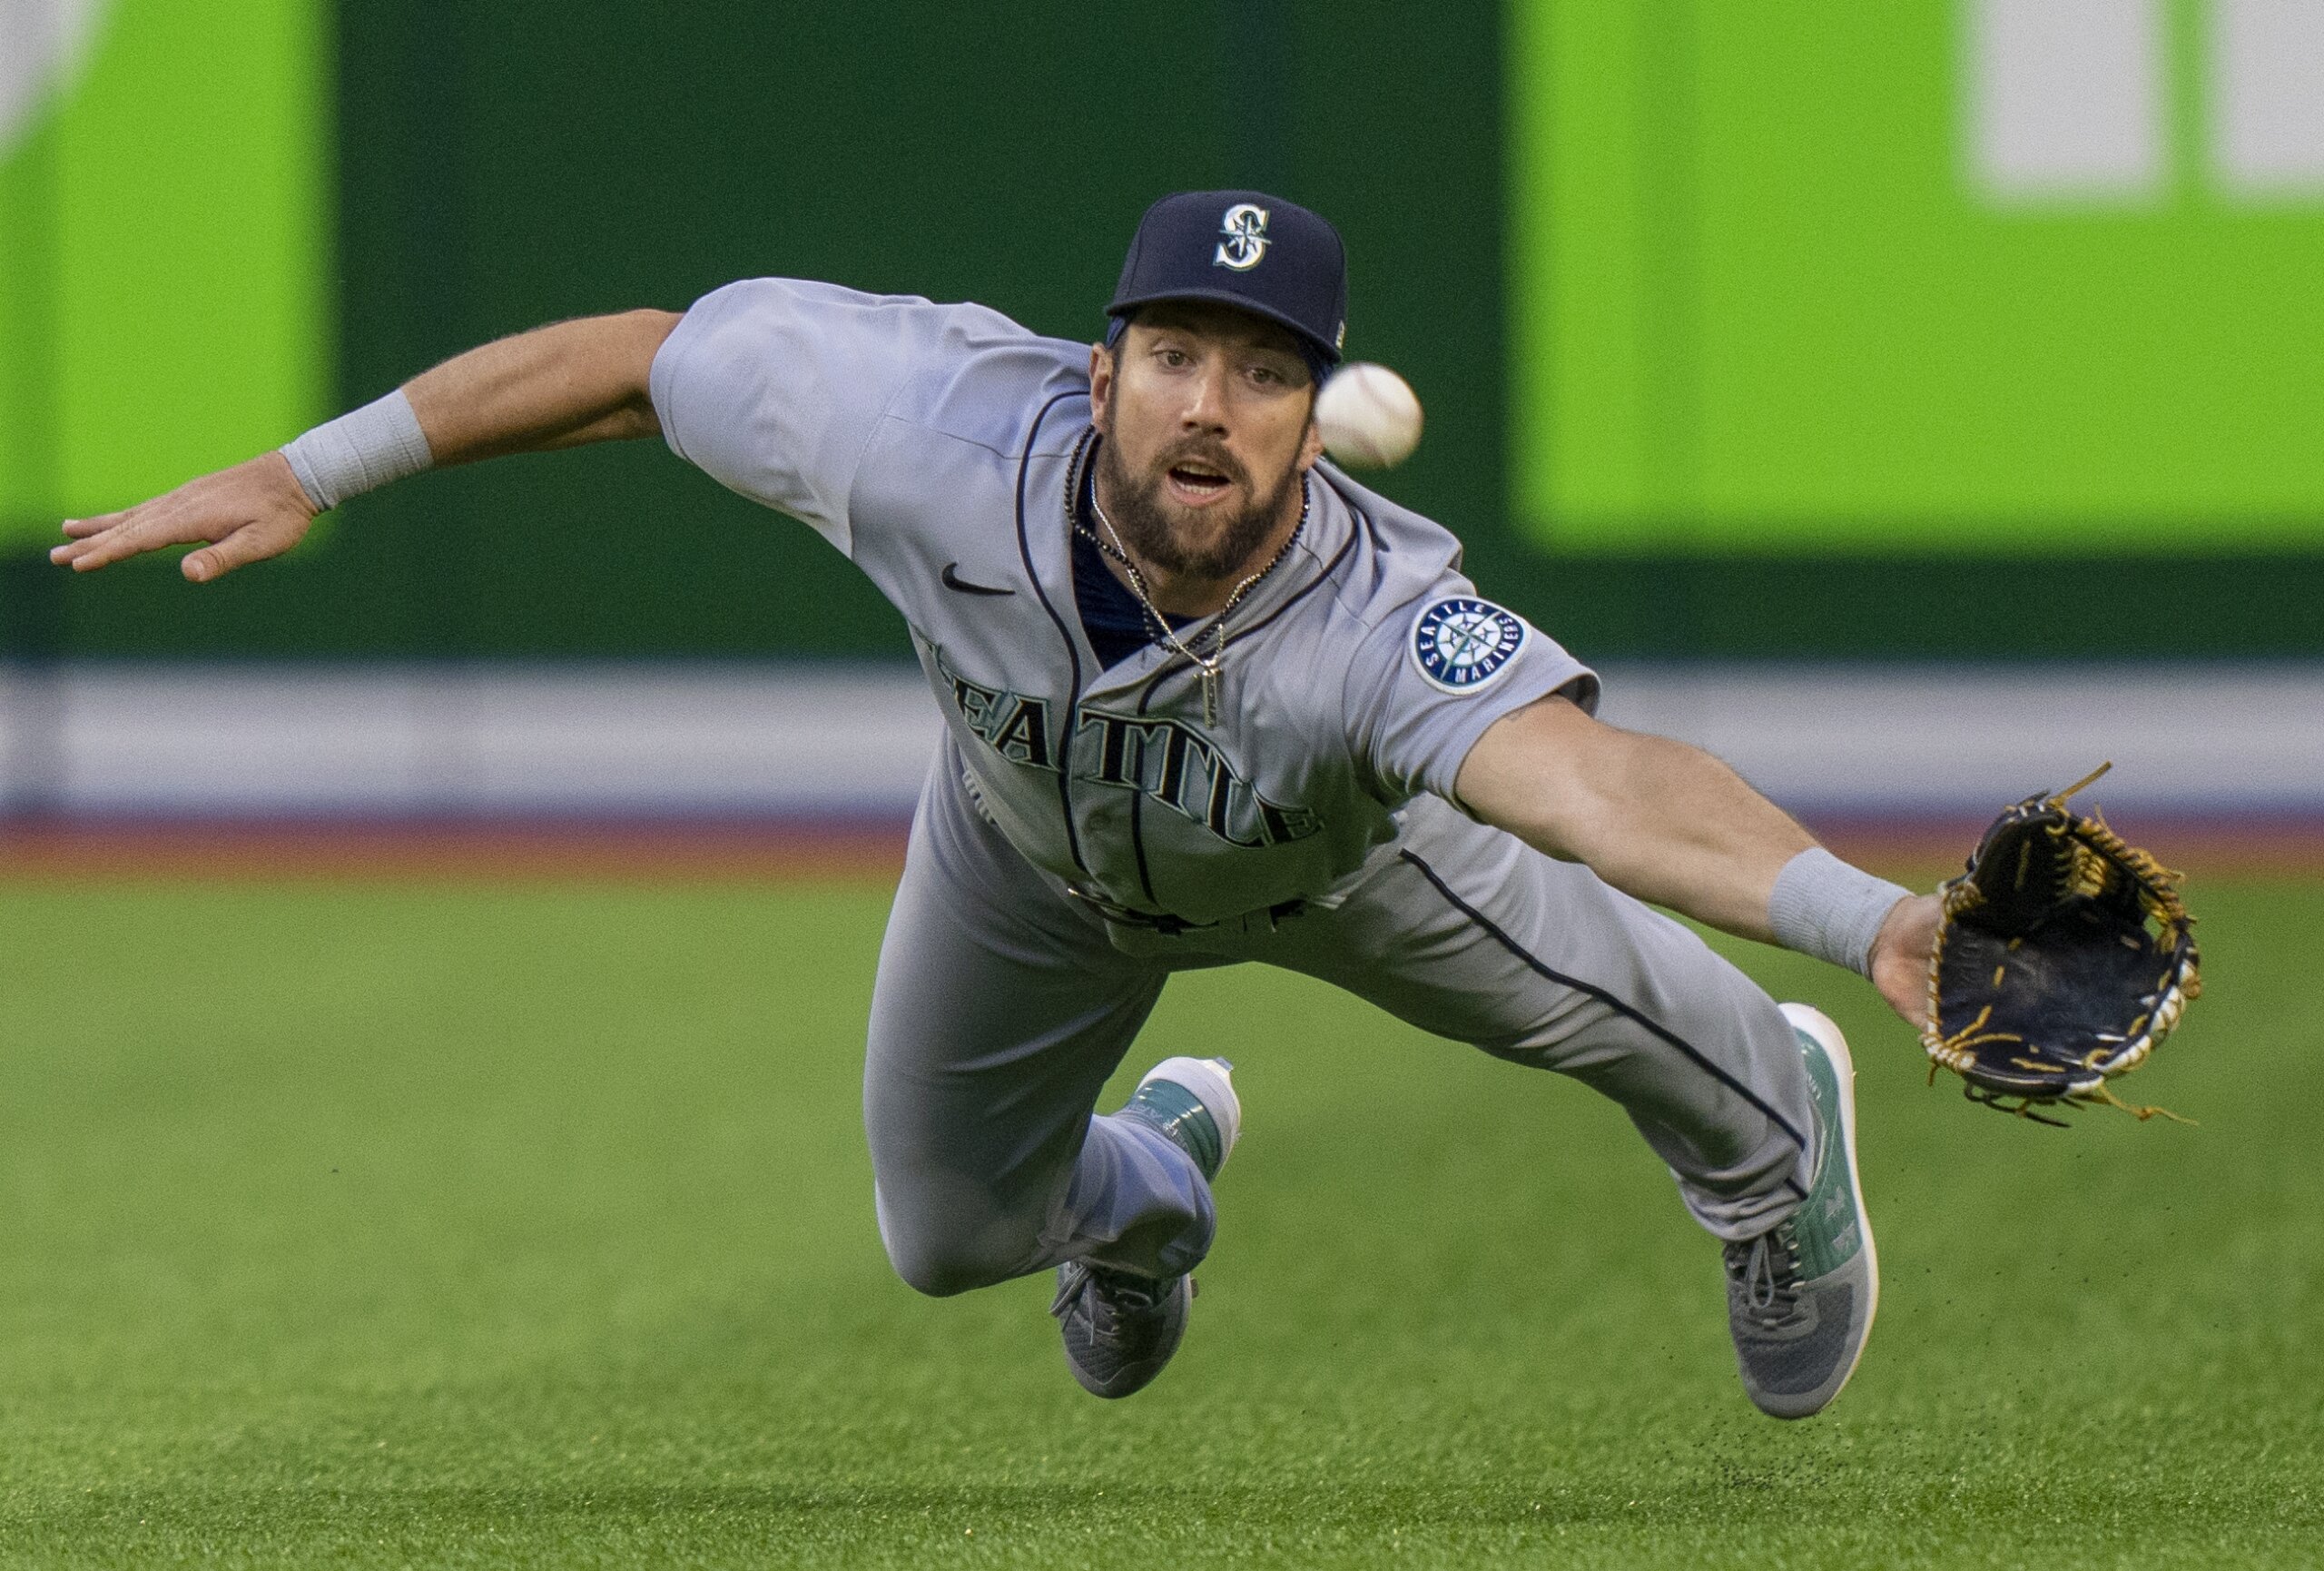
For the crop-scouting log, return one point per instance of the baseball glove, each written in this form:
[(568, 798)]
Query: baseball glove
[(2064, 957)]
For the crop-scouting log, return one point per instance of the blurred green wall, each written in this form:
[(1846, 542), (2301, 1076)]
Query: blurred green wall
[(500, 166), (1779, 298), (165, 225)]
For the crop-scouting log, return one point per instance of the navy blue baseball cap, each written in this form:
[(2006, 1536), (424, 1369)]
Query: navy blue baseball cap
[(1247, 249)]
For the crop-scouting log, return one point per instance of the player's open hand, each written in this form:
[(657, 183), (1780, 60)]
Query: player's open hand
[(246, 514), (1900, 957)]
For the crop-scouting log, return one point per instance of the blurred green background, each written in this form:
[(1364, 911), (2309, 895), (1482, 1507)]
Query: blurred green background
[(1883, 278), (1726, 352)]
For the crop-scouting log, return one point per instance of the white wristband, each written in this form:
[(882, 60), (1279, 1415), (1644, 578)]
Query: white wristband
[(359, 452), (1823, 907)]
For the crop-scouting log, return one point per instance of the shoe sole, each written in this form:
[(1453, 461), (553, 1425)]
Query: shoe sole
[(1209, 1078), (1820, 1025)]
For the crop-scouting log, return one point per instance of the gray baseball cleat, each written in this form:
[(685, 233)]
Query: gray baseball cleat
[(1800, 1297), (1120, 1328)]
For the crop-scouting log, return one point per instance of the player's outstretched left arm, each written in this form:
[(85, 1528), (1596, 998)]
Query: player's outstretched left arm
[(554, 387), (1671, 825)]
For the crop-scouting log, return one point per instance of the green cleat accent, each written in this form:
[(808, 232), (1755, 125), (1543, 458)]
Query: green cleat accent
[(1829, 1227), (1193, 1102)]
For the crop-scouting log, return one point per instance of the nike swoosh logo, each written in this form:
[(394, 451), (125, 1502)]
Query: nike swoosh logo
[(952, 581)]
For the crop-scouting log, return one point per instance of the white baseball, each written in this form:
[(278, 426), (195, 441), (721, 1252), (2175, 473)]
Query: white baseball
[(1370, 417)]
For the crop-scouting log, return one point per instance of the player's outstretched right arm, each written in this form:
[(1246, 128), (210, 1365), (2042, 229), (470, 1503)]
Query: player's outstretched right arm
[(1671, 825), (556, 387)]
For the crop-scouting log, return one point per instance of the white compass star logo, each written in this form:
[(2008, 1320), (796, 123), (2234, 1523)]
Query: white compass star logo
[(1246, 228), (1460, 644)]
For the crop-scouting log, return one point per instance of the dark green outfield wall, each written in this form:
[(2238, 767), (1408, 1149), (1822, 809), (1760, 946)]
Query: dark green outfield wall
[(508, 164)]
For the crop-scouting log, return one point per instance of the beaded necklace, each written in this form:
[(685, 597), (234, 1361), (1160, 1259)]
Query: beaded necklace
[(1208, 665)]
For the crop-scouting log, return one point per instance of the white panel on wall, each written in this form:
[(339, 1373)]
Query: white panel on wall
[(2067, 99), (41, 42), (2267, 97)]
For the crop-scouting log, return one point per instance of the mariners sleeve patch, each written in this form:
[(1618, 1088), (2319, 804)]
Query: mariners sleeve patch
[(1460, 644)]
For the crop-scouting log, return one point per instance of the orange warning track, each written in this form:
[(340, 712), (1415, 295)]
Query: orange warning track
[(783, 851)]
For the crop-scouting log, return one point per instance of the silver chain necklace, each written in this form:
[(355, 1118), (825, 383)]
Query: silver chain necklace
[(1210, 665)]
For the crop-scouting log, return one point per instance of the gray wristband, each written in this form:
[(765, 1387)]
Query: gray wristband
[(1823, 907), (359, 452)]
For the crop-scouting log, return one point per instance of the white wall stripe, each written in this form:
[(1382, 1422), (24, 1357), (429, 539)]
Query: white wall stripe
[(854, 741)]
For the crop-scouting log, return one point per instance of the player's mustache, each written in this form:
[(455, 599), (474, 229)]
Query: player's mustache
[(1202, 453)]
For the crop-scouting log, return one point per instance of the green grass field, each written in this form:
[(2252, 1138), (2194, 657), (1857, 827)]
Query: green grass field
[(354, 1226)]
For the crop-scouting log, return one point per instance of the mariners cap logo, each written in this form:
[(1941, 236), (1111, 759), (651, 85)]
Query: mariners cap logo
[(1462, 644), (1246, 228)]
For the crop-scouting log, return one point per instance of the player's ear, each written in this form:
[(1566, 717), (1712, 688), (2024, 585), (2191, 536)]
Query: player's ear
[(1101, 385), (1311, 446)]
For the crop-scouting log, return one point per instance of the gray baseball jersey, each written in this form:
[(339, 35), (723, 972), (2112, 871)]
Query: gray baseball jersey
[(939, 447)]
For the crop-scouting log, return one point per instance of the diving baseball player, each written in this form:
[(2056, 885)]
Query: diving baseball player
[(1208, 701)]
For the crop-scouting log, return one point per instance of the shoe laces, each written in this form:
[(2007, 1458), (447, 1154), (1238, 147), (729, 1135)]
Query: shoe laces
[(1105, 1301), (1766, 1268)]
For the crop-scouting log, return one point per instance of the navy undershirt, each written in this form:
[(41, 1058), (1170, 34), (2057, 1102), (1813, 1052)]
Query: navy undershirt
[(1116, 625)]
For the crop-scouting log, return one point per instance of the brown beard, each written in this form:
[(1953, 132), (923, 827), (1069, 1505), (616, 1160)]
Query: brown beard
[(1137, 510)]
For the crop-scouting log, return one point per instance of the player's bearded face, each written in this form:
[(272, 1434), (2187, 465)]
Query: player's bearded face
[(1206, 434), (1209, 544)]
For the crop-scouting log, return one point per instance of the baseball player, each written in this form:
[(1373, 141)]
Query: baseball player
[(1207, 700)]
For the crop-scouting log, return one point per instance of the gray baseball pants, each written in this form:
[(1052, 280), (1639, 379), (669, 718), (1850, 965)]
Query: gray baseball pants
[(1003, 1004)]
